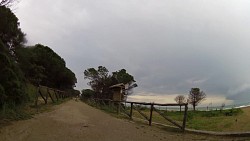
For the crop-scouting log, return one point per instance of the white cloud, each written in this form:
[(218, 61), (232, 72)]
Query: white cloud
[(169, 46), (239, 89)]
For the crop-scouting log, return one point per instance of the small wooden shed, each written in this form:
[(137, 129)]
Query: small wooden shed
[(118, 92)]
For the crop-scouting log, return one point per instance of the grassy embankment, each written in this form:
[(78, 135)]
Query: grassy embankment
[(226, 120), (231, 120), (28, 109)]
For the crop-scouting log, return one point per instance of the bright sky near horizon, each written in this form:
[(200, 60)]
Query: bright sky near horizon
[(169, 46)]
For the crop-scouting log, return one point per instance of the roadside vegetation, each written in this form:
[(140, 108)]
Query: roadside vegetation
[(27, 109), (228, 120), (216, 120), (23, 68)]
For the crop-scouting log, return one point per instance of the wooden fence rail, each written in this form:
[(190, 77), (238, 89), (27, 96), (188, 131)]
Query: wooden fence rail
[(46, 93), (121, 107)]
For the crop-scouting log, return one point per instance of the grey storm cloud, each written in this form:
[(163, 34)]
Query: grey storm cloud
[(169, 46)]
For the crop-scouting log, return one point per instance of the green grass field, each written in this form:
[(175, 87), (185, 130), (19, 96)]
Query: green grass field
[(231, 120), (225, 120)]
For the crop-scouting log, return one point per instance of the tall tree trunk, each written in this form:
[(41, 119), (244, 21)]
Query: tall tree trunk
[(194, 107)]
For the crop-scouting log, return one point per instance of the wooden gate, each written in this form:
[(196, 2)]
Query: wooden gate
[(121, 107), (46, 93)]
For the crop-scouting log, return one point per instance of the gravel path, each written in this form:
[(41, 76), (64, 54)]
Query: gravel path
[(76, 121)]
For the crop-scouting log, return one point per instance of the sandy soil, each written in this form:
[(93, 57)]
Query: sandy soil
[(76, 121)]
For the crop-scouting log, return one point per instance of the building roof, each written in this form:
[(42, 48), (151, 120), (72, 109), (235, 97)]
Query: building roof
[(121, 85)]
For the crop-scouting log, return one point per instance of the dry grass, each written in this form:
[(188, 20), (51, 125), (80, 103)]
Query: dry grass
[(243, 121)]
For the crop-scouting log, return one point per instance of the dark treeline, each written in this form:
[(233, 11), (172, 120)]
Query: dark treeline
[(21, 65), (41, 65)]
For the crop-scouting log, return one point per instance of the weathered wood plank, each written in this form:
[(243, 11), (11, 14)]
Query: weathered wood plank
[(168, 119), (50, 95), (185, 118), (151, 114), (138, 110), (45, 100), (124, 111)]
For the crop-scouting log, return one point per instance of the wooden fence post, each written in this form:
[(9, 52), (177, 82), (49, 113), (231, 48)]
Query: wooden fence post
[(46, 98), (131, 110), (37, 93), (151, 114), (60, 94), (42, 95), (119, 107), (50, 95), (185, 118), (56, 95), (96, 104), (109, 104)]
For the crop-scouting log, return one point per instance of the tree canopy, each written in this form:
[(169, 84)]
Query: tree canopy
[(87, 93), (41, 65), (122, 76), (101, 80), (12, 86), (180, 99), (12, 80), (10, 32), (195, 97), (20, 65)]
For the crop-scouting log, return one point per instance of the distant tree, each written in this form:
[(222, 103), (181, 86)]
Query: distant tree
[(87, 93), (101, 80), (122, 76), (222, 106), (73, 92), (180, 99), (195, 97)]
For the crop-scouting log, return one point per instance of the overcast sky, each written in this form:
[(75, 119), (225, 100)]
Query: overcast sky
[(169, 46)]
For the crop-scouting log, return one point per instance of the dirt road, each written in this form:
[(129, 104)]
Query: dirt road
[(76, 121)]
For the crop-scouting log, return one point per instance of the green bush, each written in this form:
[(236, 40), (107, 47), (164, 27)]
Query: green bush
[(232, 112), (31, 91), (2, 95), (210, 114), (12, 112)]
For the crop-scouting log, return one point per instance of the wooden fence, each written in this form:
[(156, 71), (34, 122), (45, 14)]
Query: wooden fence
[(47, 93), (121, 107)]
